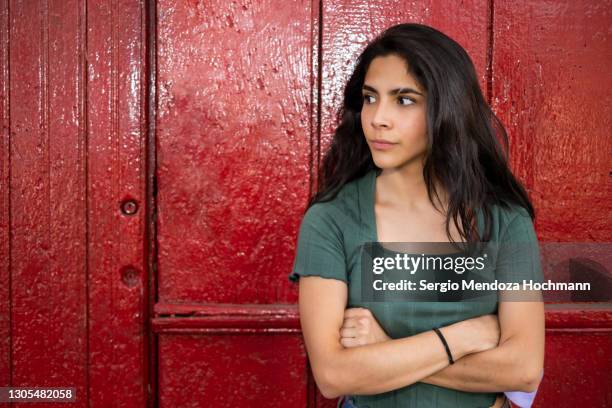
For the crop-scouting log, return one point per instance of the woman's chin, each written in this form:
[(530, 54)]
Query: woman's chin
[(389, 162), (385, 163)]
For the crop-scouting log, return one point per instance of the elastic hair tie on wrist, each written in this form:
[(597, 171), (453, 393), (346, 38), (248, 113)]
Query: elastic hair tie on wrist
[(450, 356)]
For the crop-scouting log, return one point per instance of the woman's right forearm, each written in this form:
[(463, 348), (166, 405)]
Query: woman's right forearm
[(389, 365)]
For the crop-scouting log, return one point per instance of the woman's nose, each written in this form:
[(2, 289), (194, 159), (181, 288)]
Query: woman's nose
[(381, 117)]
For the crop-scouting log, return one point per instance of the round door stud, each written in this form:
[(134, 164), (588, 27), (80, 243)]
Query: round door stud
[(129, 276), (129, 207)]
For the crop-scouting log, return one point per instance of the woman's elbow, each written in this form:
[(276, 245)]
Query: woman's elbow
[(325, 383), (530, 379), (533, 381), (329, 392), (331, 382)]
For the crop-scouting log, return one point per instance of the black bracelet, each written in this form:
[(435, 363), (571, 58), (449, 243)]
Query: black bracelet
[(450, 356)]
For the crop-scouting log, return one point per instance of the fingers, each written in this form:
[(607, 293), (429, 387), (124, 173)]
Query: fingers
[(348, 332), (349, 342), (348, 337), (356, 312), (357, 316), (350, 322), (355, 327)]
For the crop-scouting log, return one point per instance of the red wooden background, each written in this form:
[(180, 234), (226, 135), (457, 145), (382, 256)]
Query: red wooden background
[(156, 157)]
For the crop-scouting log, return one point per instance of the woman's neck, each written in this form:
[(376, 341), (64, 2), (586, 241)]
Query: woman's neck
[(406, 187)]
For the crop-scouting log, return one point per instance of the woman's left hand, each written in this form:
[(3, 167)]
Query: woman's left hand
[(360, 328)]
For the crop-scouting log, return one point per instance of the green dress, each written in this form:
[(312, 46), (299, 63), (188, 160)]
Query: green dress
[(329, 245)]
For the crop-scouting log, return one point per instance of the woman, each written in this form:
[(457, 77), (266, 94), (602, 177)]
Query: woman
[(416, 158)]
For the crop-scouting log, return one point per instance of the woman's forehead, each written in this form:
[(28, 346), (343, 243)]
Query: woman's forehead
[(390, 72)]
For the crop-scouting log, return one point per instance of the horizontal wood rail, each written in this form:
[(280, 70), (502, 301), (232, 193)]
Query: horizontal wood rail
[(284, 318)]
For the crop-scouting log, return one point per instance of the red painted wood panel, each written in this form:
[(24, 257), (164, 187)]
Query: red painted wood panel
[(5, 271), (238, 354), (577, 369), (116, 122), (577, 357), (72, 150), (233, 146), (226, 370), (551, 88), (46, 197)]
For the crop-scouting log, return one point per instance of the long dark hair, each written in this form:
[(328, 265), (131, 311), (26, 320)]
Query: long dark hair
[(464, 151)]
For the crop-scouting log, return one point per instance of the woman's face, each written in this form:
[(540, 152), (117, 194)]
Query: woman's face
[(394, 111)]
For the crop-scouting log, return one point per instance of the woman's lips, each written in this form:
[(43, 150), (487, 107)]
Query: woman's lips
[(382, 145)]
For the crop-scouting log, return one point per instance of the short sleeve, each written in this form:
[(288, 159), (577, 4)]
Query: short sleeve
[(320, 249), (518, 258)]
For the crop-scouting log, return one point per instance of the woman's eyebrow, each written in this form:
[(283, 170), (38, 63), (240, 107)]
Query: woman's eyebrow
[(394, 91)]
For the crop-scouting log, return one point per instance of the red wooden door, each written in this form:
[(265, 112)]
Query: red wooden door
[(156, 158)]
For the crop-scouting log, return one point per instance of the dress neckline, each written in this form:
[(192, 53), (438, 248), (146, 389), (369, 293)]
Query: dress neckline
[(369, 202)]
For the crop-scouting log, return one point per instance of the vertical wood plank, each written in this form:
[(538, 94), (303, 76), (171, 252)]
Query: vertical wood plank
[(5, 140), (47, 195), (116, 92), (46, 182), (551, 87)]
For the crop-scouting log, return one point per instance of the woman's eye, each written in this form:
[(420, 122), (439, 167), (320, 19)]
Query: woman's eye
[(366, 99), (405, 101)]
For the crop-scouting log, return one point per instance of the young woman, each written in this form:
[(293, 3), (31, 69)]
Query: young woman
[(416, 157)]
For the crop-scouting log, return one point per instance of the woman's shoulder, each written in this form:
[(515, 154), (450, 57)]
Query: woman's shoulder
[(344, 204), (509, 212), (512, 221)]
